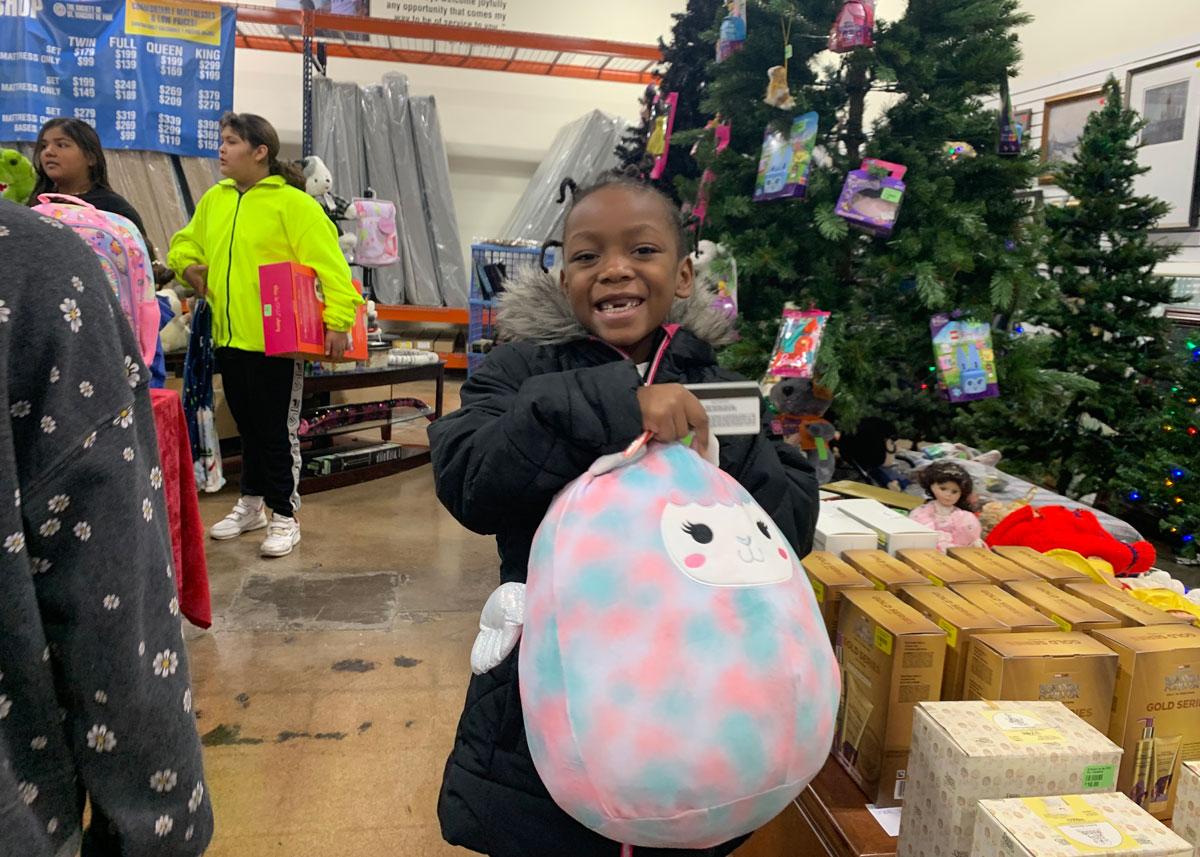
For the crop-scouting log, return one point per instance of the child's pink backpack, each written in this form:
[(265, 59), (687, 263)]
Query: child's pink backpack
[(678, 686), (378, 245), (122, 253)]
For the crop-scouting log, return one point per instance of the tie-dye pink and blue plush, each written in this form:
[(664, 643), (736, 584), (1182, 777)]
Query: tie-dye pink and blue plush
[(678, 685)]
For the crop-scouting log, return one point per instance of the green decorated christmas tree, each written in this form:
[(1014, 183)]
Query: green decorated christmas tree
[(963, 241)]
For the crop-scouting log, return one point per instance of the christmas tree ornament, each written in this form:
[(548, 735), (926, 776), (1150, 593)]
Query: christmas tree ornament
[(778, 93), (871, 196), (957, 150), (854, 27), (659, 144), (965, 359), (1011, 131), (796, 346), (784, 165), (732, 36), (721, 134)]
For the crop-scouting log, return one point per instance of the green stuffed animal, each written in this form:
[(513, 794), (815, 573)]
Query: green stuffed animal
[(17, 178)]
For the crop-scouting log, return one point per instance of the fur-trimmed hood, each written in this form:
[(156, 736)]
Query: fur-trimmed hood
[(534, 309)]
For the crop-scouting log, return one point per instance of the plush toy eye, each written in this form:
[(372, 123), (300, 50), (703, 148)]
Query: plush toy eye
[(764, 529), (699, 532)]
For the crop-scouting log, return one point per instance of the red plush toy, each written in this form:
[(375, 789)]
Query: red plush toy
[(1049, 527)]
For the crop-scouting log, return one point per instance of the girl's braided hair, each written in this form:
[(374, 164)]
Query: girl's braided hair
[(630, 179)]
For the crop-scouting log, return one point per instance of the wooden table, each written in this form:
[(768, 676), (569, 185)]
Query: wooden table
[(829, 819)]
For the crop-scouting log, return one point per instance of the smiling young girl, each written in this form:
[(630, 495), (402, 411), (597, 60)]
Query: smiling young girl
[(565, 389), (259, 214)]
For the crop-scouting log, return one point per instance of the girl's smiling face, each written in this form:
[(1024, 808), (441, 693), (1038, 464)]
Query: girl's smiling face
[(624, 266)]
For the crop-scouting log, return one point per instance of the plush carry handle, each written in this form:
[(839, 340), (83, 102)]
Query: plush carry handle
[(47, 198)]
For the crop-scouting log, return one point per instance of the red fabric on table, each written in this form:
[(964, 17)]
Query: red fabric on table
[(183, 507)]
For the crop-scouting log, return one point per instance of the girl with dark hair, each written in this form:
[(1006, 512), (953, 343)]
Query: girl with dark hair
[(259, 214), (69, 159), (948, 511)]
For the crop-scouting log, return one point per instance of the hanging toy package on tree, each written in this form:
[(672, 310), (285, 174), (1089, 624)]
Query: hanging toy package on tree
[(1011, 132), (786, 160), (721, 133), (717, 269), (854, 27), (733, 30), (871, 196), (966, 363), (659, 144), (796, 347)]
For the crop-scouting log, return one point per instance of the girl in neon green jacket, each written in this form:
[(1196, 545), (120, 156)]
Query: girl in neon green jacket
[(259, 214)]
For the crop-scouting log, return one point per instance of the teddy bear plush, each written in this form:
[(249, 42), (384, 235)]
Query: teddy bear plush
[(318, 183), (778, 93), (800, 406)]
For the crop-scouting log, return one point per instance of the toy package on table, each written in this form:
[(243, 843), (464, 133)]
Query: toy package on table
[(966, 364), (871, 196), (796, 346), (785, 162)]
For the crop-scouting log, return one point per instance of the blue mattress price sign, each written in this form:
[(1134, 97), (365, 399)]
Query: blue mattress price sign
[(148, 74)]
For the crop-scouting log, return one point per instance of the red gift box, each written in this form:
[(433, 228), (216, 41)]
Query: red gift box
[(292, 315)]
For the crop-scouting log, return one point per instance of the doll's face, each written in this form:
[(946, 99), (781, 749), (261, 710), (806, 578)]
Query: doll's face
[(947, 493)]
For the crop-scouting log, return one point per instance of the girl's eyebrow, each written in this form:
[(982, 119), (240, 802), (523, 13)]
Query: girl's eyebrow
[(627, 232)]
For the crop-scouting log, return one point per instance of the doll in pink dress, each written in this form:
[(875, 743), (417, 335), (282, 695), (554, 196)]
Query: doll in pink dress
[(948, 512)]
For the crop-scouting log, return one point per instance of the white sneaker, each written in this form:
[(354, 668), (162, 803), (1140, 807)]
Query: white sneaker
[(282, 535), (249, 514)]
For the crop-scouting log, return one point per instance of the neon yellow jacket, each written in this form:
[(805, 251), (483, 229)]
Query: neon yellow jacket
[(234, 233)]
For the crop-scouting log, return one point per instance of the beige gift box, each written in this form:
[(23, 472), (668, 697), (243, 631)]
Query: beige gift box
[(964, 752), (1100, 825), (1187, 804)]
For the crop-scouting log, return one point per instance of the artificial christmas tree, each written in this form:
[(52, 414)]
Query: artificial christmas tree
[(961, 242)]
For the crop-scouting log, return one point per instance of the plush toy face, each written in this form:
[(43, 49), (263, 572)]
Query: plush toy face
[(318, 181), (798, 396), (726, 545), (677, 683), (17, 178)]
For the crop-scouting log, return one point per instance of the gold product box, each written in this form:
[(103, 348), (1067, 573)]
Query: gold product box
[(829, 577), (891, 658), (965, 752), (1014, 613), (1045, 567), (961, 620), (1100, 825), (1122, 605), (884, 571), (1069, 612), (1066, 667), (939, 568), (994, 567), (1155, 709), (1187, 805), (895, 499)]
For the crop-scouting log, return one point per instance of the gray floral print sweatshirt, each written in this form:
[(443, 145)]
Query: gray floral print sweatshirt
[(94, 695)]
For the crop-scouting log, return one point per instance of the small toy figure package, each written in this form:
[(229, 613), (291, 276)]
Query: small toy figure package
[(966, 364), (854, 27), (785, 163), (872, 195), (799, 340), (1011, 132), (659, 144), (733, 30), (721, 133)]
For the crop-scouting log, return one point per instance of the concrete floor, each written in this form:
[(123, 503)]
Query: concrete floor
[(329, 687)]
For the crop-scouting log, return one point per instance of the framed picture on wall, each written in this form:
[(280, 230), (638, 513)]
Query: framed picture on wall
[(1063, 120), (1167, 95)]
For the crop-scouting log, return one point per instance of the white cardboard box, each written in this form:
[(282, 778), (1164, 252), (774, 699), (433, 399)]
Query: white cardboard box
[(1187, 804), (838, 532), (964, 752), (895, 532), (1102, 825)]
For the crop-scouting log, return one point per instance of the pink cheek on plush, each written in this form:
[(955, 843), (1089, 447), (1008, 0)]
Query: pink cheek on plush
[(783, 553), (694, 560)]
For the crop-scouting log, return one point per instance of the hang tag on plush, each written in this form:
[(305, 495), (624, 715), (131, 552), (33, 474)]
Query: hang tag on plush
[(788, 53)]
